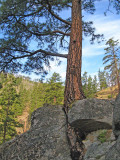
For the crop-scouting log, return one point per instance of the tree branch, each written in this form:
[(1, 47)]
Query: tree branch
[(29, 54), (42, 33), (57, 31), (53, 14)]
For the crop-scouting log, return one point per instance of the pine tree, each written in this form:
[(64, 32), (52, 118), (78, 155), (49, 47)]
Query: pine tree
[(111, 59), (85, 83), (90, 85), (55, 78), (38, 96), (24, 97), (102, 79), (8, 120), (115, 4), (55, 90), (21, 24), (95, 85)]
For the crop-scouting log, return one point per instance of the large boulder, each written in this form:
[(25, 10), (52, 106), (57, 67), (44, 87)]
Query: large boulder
[(116, 117), (98, 150), (47, 138), (89, 115), (114, 151), (44, 141), (97, 144)]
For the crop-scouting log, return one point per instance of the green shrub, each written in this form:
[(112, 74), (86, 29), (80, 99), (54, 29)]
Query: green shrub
[(102, 136), (110, 96)]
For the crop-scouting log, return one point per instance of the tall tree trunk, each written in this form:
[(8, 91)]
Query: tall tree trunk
[(73, 88), (117, 72)]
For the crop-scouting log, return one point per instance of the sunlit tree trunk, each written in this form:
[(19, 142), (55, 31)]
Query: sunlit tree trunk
[(117, 71), (73, 88)]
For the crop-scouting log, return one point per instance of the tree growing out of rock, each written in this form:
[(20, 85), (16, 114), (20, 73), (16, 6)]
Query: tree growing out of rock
[(111, 59)]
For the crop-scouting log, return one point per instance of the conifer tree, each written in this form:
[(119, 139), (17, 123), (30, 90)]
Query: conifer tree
[(55, 90), (24, 97), (95, 84), (90, 85), (23, 21), (38, 96), (84, 83), (115, 4), (102, 79), (111, 59), (8, 120)]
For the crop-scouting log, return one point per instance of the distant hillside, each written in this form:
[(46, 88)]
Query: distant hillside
[(107, 93)]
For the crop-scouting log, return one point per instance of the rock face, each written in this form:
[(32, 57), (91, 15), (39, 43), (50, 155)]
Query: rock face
[(46, 140), (97, 151), (116, 117), (91, 114), (97, 144), (114, 151)]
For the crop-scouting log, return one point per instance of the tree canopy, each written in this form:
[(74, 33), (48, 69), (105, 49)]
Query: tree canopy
[(24, 22), (34, 31), (115, 4)]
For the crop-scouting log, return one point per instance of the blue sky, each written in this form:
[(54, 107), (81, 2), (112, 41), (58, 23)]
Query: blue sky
[(92, 54)]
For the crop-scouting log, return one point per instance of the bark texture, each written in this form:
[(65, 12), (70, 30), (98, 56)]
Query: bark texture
[(73, 89), (117, 71)]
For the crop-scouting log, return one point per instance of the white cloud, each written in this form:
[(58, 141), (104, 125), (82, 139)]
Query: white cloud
[(92, 50), (107, 25), (109, 28)]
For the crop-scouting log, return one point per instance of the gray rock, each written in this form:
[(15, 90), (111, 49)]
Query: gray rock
[(114, 151), (91, 114), (116, 117), (95, 149), (46, 140), (98, 150), (107, 136)]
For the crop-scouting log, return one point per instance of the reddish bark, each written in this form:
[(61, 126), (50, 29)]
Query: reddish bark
[(73, 88), (117, 71), (54, 100)]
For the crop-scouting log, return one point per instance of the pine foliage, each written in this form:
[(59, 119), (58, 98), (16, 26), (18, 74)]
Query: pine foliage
[(9, 102), (90, 85), (17, 93), (112, 59), (23, 22)]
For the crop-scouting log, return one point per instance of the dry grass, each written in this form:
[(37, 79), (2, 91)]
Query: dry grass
[(107, 93)]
